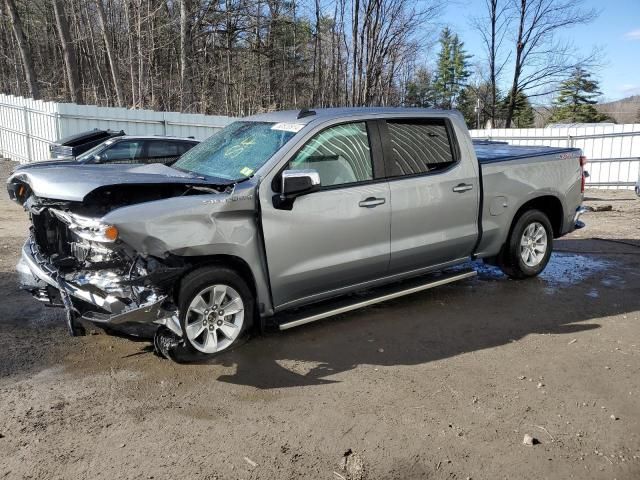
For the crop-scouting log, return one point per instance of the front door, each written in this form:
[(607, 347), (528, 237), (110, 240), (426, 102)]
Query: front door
[(338, 236)]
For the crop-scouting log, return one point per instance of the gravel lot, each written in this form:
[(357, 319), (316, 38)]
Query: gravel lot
[(441, 384)]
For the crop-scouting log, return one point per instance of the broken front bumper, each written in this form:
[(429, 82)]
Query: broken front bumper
[(38, 276)]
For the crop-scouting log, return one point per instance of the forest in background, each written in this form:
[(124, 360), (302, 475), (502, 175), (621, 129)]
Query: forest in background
[(240, 57)]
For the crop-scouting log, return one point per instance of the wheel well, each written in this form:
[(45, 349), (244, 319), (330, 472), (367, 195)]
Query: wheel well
[(550, 206), (229, 261)]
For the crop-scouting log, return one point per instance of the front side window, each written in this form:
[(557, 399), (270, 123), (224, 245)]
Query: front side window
[(238, 150), (125, 150), (91, 154), (339, 154), (419, 147)]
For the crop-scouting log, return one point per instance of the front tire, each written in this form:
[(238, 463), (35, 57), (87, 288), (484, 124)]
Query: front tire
[(216, 309), (529, 246)]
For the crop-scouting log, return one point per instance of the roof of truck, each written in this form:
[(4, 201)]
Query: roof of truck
[(291, 116)]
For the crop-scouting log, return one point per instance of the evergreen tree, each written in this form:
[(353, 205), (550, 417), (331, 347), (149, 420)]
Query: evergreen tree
[(419, 90), (523, 113), (576, 99), (452, 70), (472, 95)]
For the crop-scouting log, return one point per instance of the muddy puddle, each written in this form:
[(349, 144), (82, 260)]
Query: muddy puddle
[(564, 270)]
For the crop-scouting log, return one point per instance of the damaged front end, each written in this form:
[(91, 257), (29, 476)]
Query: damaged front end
[(110, 245), (78, 262)]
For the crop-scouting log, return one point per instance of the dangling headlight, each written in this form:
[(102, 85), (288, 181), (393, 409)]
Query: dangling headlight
[(90, 229)]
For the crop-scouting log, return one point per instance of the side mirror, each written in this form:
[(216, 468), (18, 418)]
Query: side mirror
[(97, 159), (294, 184), (299, 182)]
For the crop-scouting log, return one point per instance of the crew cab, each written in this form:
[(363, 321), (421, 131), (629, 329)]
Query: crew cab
[(285, 218)]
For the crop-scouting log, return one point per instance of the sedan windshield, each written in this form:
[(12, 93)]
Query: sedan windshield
[(237, 151)]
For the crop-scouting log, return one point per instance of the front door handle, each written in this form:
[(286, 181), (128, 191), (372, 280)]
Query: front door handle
[(461, 188), (371, 202)]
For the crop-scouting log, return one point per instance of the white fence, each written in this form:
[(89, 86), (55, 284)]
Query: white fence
[(613, 151), (28, 126)]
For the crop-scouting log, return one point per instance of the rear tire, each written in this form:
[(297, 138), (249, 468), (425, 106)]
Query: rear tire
[(216, 309), (529, 246)]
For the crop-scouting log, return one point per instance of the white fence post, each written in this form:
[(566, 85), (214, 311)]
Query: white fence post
[(27, 133)]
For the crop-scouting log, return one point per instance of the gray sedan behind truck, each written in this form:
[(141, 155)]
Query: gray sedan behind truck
[(279, 219)]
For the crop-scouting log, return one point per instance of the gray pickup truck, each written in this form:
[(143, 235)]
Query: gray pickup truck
[(284, 218)]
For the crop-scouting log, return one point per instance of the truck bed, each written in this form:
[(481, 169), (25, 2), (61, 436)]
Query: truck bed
[(489, 152)]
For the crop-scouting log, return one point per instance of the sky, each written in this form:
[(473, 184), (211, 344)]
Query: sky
[(616, 32)]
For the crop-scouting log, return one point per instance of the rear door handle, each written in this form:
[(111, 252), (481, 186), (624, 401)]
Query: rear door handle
[(371, 202), (461, 188)]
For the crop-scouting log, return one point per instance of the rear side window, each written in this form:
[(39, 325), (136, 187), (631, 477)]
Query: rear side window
[(419, 146), (163, 149), (185, 146)]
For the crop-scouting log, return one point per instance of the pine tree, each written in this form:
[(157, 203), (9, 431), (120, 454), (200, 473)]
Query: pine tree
[(523, 113), (419, 90), (472, 95), (452, 70), (576, 99)]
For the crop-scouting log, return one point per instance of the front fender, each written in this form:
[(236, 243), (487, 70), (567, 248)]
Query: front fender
[(197, 226)]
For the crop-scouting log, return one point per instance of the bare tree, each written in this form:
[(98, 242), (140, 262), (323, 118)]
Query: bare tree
[(69, 51), (540, 60), (113, 61), (493, 28), (240, 56), (25, 51), (185, 54)]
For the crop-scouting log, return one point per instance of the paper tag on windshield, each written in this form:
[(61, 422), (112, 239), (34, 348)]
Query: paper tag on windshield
[(246, 171), (288, 127)]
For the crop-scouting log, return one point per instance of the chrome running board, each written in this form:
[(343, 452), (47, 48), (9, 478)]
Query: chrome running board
[(348, 304)]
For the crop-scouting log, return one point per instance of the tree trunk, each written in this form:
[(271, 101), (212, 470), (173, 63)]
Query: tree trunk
[(492, 60), (518, 66), (113, 62), (25, 51), (354, 39), (185, 54), (69, 52)]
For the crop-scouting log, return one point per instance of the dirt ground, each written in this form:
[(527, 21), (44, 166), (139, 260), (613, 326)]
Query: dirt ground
[(441, 384)]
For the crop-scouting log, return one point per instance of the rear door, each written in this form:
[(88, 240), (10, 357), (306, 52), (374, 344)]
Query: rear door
[(434, 194), (338, 236)]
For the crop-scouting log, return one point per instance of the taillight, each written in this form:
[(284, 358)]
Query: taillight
[(583, 162)]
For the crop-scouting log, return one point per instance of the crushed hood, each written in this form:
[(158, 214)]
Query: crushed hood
[(75, 182)]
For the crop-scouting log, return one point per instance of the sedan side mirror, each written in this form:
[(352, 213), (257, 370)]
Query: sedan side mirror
[(299, 182)]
